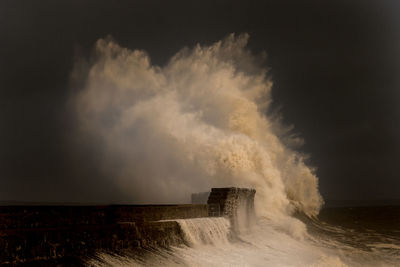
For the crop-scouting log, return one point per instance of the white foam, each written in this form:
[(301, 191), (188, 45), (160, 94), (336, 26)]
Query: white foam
[(209, 246)]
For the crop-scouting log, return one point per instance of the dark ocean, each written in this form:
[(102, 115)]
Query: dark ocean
[(364, 235)]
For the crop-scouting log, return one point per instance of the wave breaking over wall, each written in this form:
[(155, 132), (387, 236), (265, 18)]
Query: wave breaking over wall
[(200, 121), (205, 231)]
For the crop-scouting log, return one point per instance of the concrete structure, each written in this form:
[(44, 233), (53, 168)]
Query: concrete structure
[(235, 203), (51, 235)]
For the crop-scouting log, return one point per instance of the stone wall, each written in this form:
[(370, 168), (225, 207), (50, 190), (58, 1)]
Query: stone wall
[(31, 234), (49, 235), (28, 246), (139, 213), (12, 217), (234, 203)]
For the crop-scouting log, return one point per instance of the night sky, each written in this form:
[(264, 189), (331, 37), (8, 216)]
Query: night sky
[(335, 67)]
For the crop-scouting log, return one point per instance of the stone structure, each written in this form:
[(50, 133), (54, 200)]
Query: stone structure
[(234, 203), (49, 235), (41, 234)]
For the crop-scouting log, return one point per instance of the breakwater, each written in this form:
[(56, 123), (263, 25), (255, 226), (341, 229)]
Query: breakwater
[(53, 234)]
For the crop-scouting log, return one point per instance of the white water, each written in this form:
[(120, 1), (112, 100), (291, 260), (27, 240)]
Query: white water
[(205, 231), (263, 246), (210, 244)]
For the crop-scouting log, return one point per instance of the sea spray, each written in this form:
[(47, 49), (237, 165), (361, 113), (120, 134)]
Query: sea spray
[(200, 121)]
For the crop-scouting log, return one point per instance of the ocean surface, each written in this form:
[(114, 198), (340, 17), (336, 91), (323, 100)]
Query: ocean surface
[(360, 236)]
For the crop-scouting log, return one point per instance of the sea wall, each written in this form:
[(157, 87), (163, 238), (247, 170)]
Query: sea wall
[(52, 234), (13, 217), (37, 233)]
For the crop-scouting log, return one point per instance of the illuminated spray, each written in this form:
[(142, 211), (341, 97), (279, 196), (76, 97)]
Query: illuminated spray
[(198, 122)]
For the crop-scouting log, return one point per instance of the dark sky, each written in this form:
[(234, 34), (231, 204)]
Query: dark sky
[(335, 67)]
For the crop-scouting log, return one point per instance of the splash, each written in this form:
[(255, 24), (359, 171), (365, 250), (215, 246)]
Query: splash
[(200, 121), (208, 244)]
